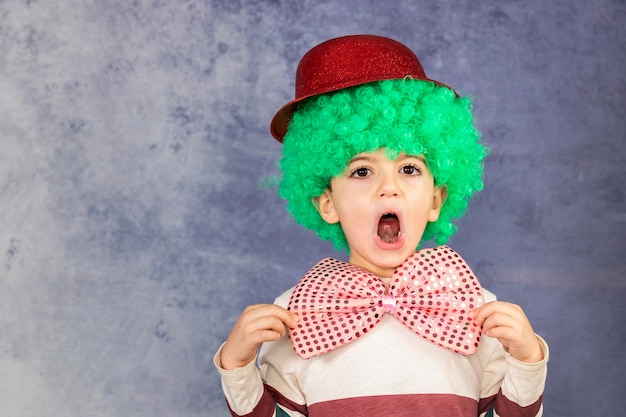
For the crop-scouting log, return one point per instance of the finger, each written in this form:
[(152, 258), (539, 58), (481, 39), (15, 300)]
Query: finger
[(500, 320), (254, 312), (481, 313), (272, 323), (264, 335), (255, 332), (505, 335), (241, 345)]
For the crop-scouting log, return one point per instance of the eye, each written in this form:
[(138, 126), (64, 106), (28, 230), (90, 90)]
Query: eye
[(360, 172), (410, 170)]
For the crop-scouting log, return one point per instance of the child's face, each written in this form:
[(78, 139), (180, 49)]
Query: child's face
[(383, 206)]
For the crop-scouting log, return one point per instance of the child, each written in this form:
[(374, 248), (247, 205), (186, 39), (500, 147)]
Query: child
[(378, 158)]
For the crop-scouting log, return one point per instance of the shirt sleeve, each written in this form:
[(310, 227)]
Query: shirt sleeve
[(269, 389), (512, 387), (243, 387), (279, 369), (521, 393)]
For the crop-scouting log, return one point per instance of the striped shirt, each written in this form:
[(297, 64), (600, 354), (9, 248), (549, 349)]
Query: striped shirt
[(389, 372)]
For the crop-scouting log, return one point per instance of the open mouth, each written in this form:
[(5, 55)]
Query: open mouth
[(389, 228)]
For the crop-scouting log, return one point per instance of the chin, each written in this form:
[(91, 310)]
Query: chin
[(391, 260)]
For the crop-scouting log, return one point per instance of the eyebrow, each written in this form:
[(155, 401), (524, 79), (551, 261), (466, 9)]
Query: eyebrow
[(359, 158), (406, 156), (402, 157)]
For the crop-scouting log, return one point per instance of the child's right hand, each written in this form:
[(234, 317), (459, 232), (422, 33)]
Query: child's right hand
[(257, 324)]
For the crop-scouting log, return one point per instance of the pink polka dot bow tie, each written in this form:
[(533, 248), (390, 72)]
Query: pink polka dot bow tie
[(431, 293)]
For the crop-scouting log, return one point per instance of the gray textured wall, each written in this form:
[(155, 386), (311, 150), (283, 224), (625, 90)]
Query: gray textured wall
[(135, 227)]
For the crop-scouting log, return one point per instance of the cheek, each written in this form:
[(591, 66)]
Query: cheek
[(425, 211), (353, 221)]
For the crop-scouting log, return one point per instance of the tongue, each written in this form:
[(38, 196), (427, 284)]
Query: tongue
[(388, 229)]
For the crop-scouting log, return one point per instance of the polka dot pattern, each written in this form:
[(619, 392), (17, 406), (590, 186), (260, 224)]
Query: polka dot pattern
[(431, 293)]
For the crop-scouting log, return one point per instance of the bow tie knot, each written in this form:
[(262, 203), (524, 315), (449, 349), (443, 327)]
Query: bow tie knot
[(389, 303), (431, 293)]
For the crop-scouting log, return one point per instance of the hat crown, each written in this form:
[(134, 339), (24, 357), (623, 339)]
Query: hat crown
[(345, 62), (352, 60)]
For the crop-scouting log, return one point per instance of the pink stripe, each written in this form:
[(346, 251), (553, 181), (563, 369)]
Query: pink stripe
[(508, 408), (485, 403), (286, 402), (441, 405)]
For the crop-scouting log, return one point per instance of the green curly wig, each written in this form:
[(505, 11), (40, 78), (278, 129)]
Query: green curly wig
[(404, 115)]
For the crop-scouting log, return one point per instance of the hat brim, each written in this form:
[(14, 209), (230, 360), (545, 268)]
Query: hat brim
[(282, 118)]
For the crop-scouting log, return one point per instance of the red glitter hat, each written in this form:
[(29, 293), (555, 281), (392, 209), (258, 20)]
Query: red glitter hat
[(345, 62)]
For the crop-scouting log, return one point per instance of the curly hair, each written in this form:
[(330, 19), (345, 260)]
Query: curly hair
[(402, 115)]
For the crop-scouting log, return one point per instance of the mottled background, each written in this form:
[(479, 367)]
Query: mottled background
[(135, 225)]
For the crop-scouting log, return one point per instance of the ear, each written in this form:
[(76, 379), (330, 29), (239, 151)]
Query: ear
[(439, 197), (325, 207)]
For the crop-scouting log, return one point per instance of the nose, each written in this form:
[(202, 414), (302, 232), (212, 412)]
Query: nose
[(388, 186)]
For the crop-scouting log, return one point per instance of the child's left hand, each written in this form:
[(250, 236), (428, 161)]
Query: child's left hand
[(508, 323)]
